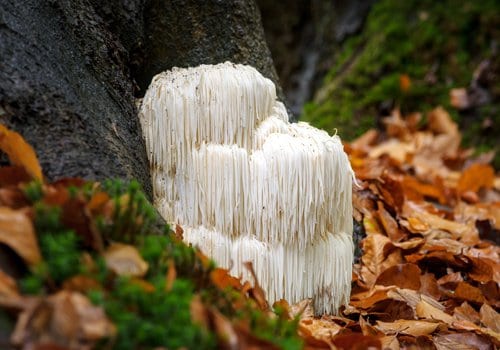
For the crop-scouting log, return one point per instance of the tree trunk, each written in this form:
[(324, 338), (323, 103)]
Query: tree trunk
[(69, 70)]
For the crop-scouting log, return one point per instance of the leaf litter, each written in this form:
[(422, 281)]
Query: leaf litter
[(428, 275)]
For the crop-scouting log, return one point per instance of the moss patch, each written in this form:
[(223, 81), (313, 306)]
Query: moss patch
[(437, 44)]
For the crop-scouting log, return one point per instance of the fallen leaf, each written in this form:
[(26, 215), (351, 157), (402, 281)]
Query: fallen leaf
[(322, 331), (17, 232), (379, 254), (465, 291), (171, 275), (20, 152), (461, 341), (223, 280), (402, 276), (199, 313), (459, 98), (125, 260), (409, 327), (466, 312), (8, 286), (490, 318), (13, 176), (390, 342), (475, 177), (404, 82), (357, 341), (224, 329), (257, 292), (426, 310)]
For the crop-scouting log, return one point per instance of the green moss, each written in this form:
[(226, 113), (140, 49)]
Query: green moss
[(438, 44), (146, 314)]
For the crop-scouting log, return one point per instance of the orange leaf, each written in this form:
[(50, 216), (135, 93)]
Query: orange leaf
[(467, 292), (20, 152), (404, 82), (475, 177), (222, 279)]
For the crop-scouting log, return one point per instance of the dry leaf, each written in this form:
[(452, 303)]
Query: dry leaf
[(16, 231), (475, 177), (461, 341), (410, 327), (490, 318), (8, 286), (171, 275), (20, 152), (125, 260), (466, 312), (426, 310), (402, 276), (322, 331)]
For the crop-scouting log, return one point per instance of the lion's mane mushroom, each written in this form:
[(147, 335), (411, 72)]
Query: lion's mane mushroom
[(247, 185)]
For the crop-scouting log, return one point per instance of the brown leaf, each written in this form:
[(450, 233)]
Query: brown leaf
[(409, 327), (16, 231), (8, 286), (450, 278), (465, 291), (390, 343), (466, 312), (66, 319), (357, 341), (490, 318), (401, 275), (317, 331), (365, 300), (389, 224), (461, 341), (379, 254), (13, 176), (81, 283), (413, 298), (125, 260), (224, 330), (284, 308), (20, 152), (429, 286), (171, 275), (426, 310), (257, 292), (199, 313), (482, 271), (475, 177), (368, 329), (440, 121), (13, 198)]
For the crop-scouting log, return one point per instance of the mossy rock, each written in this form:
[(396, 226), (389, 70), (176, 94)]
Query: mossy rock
[(438, 45)]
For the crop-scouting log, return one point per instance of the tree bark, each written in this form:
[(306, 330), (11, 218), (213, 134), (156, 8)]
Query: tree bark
[(70, 69)]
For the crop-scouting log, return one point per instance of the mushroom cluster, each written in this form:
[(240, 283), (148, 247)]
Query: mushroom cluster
[(248, 185)]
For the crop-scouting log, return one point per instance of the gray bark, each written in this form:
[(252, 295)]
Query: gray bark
[(70, 69)]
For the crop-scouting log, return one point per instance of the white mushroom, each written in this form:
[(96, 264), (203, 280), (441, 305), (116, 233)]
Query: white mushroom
[(247, 185)]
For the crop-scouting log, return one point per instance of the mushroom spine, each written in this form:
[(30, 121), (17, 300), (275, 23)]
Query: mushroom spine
[(247, 185)]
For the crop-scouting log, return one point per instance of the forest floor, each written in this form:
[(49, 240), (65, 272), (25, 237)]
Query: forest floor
[(85, 265)]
